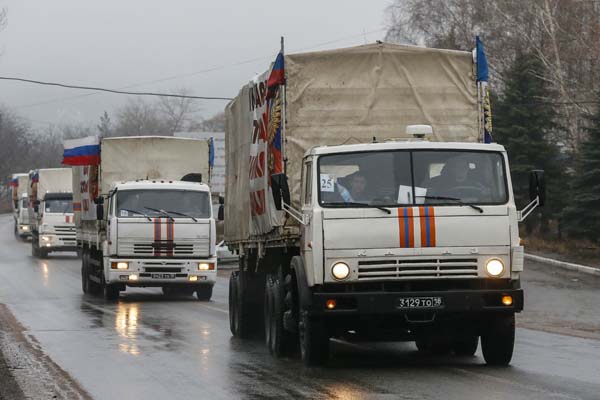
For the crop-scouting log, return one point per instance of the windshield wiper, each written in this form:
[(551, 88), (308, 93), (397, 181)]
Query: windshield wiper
[(363, 205), (163, 212), (459, 201), (182, 214), (137, 212)]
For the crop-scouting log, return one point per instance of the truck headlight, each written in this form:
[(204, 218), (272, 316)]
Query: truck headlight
[(119, 265), (204, 266), (494, 267), (340, 270), (25, 228), (46, 238)]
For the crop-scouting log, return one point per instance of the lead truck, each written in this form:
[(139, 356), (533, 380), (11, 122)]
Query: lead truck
[(364, 205), (20, 204), (51, 211), (143, 214)]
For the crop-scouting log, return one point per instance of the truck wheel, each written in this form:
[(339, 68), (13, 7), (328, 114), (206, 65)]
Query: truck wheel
[(465, 345), (268, 311), (34, 246), (314, 340), (43, 253), (204, 292), (282, 341), (498, 340), (233, 319), (109, 292), (85, 280)]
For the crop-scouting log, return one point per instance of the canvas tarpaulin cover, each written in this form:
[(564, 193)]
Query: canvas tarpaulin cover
[(348, 96)]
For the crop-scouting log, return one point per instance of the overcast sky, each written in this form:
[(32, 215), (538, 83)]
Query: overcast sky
[(120, 43)]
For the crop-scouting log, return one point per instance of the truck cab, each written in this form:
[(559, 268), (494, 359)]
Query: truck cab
[(53, 228), (412, 240), (158, 234)]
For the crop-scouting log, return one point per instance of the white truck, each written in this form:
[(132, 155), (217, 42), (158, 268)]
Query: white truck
[(388, 220), (51, 210), (144, 218), (20, 204)]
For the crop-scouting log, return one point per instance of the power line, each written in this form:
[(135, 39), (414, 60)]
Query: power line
[(99, 89), (203, 71)]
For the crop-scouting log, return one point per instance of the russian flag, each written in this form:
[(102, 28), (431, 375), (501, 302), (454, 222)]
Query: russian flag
[(34, 177), (84, 151), (277, 76), (14, 182)]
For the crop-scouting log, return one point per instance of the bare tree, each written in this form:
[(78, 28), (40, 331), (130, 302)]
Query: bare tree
[(139, 117), (177, 112)]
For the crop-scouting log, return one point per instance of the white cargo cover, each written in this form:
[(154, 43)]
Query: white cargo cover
[(136, 158), (52, 180), (352, 95)]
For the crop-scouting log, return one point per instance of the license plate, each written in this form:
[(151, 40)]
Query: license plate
[(163, 276), (419, 302)]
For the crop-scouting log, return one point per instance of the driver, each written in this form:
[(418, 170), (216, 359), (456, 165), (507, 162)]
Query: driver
[(454, 174), (357, 191)]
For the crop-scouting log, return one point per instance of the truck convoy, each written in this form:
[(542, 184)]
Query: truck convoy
[(143, 217), (51, 211), (363, 204), (20, 204)]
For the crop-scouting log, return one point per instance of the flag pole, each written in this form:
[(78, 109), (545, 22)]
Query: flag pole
[(284, 114)]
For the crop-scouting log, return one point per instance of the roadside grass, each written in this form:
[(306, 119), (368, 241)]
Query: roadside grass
[(572, 250)]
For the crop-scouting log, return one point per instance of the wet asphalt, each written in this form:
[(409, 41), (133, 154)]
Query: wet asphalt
[(148, 347)]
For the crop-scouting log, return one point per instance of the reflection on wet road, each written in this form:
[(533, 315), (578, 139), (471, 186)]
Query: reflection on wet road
[(147, 346)]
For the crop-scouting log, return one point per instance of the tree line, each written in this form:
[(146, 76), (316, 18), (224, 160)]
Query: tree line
[(544, 60), (24, 147)]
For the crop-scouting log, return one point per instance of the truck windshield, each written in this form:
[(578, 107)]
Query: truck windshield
[(60, 206), (401, 177), (177, 203)]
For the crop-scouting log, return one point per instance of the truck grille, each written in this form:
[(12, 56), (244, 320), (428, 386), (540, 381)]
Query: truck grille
[(165, 248), (417, 268), (67, 234), (163, 266)]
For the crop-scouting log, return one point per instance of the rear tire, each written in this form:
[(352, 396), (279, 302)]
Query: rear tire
[(204, 292), (282, 341), (34, 245), (314, 340), (498, 340), (233, 318)]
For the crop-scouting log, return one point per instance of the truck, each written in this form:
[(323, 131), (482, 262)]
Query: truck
[(51, 211), (143, 215), (365, 205), (20, 204)]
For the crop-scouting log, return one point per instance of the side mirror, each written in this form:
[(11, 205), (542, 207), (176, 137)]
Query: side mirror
[(221, 200), (281, 190), (221, 213), (36, 206), (99, 200), (100, 212), (537, 186)]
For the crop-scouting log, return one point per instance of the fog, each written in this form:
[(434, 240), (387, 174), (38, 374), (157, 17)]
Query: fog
[(210, 48)]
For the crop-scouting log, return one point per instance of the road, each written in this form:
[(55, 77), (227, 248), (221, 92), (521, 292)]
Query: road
[(148, 347)]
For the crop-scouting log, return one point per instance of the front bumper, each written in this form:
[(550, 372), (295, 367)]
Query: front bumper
[(161, 272), (53, 242), (23, 230), (387, 303)]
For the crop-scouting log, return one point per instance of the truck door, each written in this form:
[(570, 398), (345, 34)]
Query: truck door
[(311, 243)]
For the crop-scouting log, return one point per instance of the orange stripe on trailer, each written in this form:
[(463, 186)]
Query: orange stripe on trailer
[(157, 233), (423, 225), (170, 234)]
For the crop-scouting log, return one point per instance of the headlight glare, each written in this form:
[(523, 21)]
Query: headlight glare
[(204, 266), (119, 265), (340, 270), (494, 267)]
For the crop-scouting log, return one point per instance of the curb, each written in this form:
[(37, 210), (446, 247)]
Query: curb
[(565, 265)]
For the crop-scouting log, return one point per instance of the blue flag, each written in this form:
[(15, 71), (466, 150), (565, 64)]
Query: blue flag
[(484, 91)]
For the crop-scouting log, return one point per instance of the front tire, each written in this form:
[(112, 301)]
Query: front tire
[(498, 340), (85, 279), (314, 340), (465, 346), (204, 292), (109, 292)]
